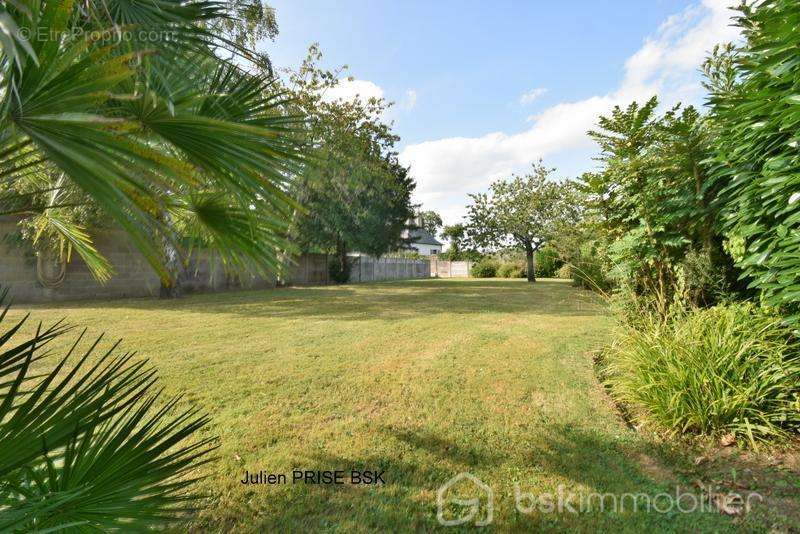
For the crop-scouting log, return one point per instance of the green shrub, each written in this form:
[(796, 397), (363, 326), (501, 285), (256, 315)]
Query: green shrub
[(588, 273), (590, 268), (701, 281), (504, 271), (336, 273), (757, 162), (486, 268), (564, 272), (547, 262), (511, 270), (460, 255), (722, 370)]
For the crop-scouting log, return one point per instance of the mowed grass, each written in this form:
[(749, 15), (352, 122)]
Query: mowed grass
[(420, 379)]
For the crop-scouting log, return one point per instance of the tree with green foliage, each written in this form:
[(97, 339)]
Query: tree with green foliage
[(524, 212), (249, 22), (652, 202), (755, 99), (355, 194), (431, 221), (460, 248), (456, 235)]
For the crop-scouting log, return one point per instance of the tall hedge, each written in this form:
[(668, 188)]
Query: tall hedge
[(758, 151)]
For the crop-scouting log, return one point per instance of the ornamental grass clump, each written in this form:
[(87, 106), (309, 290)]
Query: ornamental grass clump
[(726, 370)]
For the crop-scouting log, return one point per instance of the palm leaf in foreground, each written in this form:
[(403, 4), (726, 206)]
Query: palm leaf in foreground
[(89, 444), (129, 124)]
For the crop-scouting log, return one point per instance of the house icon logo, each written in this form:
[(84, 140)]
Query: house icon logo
[(466, 510)]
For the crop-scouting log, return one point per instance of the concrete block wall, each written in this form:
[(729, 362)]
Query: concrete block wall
[(449, 269), (135, 278), (368, 269)]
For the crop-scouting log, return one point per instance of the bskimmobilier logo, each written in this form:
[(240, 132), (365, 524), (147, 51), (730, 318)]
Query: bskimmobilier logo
[(466, 499), (467, 510)]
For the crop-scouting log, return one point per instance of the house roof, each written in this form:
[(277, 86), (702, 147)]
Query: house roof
[(422, 236)]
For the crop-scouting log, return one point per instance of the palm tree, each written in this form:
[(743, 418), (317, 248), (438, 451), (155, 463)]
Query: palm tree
[(129, 104), (136, 111)]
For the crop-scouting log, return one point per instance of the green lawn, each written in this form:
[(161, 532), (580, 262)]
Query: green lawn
[(420, 379)]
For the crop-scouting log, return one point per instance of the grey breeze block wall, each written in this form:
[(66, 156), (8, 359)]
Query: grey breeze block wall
[(449, 269), (135, 278)]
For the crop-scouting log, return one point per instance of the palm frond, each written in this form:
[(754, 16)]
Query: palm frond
[(72, 237), (101, 110), (90, 443), (246, 238), (14, 14)]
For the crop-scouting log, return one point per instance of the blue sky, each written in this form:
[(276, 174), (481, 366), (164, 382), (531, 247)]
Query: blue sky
[(482, 89)]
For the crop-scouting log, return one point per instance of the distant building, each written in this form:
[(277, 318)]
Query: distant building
[(423, 242)]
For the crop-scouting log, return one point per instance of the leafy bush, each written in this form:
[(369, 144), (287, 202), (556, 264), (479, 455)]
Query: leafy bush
[(547, 262), (511, 270), (407, 254), (564, 272), (722, 370), (700, 281), (89, 445), (486, 268), (460, 255), (336, 273), (756, 107), (589, 268), (589, 273)]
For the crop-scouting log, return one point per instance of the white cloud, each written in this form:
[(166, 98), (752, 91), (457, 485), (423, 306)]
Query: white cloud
[(350, 89), (530, 96), (667, 64)]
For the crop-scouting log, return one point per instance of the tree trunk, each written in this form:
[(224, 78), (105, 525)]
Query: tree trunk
[(171, 288), (531, 265), (341, 254)]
